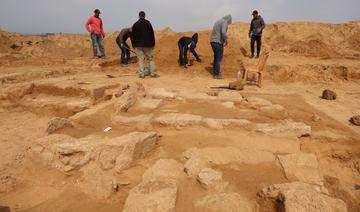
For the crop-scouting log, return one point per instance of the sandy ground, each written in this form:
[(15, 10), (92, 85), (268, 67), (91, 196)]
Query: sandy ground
[(35, 88)]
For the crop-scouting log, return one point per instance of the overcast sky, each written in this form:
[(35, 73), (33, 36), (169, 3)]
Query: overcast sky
[(39, 16)]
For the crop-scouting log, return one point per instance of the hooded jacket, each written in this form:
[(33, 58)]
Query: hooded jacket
[(189, 43), (186, 41), (219, 32), (143, 34)]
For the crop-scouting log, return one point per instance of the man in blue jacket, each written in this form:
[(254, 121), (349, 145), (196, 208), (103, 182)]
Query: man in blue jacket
[(219, 40)]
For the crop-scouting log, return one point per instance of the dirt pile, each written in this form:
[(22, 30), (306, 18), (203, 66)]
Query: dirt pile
[(314, 39), (297, 39), (308, 39), (4, 42)]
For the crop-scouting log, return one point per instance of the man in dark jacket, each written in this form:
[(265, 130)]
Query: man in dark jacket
[(143, 40), (185, 44), (256, 27), (125, 49)]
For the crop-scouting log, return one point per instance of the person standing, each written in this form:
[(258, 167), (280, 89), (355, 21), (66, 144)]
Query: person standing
[(143, 40), (218, 41), (256, 28), (121, 39), (94, 25), (185, 44)]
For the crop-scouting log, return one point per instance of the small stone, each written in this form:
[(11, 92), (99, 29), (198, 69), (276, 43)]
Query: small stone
[(209, 178), (119, 94), (58, 123), (68, 168), (125, 87), (115, 187), (355, 120), (315, 118), (194, 165), (125, 102), (328, 95), (237, 85)]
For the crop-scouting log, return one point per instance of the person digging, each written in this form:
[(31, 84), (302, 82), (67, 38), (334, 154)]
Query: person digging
[(186, 44), (121, 39)]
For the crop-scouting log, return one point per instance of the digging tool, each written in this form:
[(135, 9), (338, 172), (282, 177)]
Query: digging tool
[(122, 75), (130, 50)]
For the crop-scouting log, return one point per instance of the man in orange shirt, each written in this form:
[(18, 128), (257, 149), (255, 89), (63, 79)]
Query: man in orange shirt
[(95, 26)]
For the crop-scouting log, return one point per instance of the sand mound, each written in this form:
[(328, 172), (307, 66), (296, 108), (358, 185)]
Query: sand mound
[(312, 48), (165, 33), (307, 39), (5, 42), (354, 41)]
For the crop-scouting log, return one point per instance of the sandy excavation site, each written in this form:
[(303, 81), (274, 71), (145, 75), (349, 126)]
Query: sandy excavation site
[(177, 143)]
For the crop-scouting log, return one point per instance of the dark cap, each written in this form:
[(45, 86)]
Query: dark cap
[(97, 11), (142, 14), (255, 12)]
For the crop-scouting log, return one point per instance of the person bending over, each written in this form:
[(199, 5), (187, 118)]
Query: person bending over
[(185, 44), (219, 39), (121, 39)]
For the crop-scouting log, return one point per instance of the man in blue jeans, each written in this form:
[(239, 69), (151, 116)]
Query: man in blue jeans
[(94, 25), (219, 40)]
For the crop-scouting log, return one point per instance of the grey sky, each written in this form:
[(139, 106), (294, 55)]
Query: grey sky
[(38, 16)]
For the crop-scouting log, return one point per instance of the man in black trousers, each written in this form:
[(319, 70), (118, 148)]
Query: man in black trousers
[(256, 27), (125, 48), (185, 44)]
